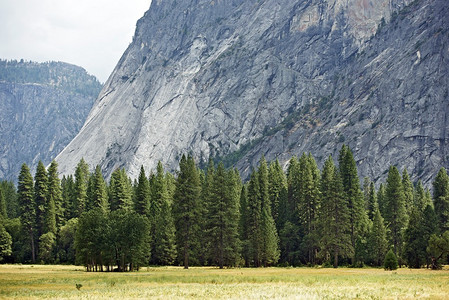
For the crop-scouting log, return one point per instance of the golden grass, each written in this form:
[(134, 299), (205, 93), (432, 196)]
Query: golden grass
[(59, 282)]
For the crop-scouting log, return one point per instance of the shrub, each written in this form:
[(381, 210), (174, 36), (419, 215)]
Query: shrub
[(390, 262)]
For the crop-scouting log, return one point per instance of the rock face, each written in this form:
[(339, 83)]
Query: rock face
[(237, 79), (43, 108)]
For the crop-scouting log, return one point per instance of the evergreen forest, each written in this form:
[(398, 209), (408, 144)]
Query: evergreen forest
[(303, 216)]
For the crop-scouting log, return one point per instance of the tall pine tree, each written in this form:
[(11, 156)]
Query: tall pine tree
[(395, 210), (27, 205), (40, 196), (441, 199), (55, 195), (185, 208), (80, 188)]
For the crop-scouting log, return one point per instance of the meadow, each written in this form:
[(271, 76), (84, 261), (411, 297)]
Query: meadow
[(50, 281)]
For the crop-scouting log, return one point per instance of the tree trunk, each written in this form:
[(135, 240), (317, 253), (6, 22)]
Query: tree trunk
[(33, 249), (336, 258)]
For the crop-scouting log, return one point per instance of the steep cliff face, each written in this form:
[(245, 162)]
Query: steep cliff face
[(275, 77), (43, 108)]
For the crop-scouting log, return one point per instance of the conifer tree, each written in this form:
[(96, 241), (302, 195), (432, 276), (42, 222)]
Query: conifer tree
[(270, 240), (277, 189), (55, 195), (3, 213), (309, 201), (377, 240), (357, 213), (395, 211), (68, 196), (407, 186), (441, 199), (142, 195), (414, 243), (243, 222), (120, 191), (254, 221), (381, 199), (372, 201), (222, 218), (419, 196), (40, 197), (27, 206), (163, 231), (334, 222), (186, 207), (99, 196), (80, 188), (5, 243)]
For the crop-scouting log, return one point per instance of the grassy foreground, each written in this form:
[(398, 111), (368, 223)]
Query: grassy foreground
[(25, 282)]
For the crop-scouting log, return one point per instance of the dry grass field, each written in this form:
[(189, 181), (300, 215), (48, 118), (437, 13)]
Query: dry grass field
[(59, 282)]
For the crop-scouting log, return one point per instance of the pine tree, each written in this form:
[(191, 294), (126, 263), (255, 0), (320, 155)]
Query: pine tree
[(334, 222), (68, 197), (163, 231), (395, 211), (3, 214), (419, 196), (441, 199), (55, 195), (391, 261), (142, 195), (40, 197), (80, 188), (357, 213), (377, 240), (414, 240), (223, 218), (277, 189), (309, 201), (99, 194), (5, 243), (27, 206), (254, 221), (372, 201), (270, 240), (120, 191), (381, 199), (407, 186), (186, 207), (243, 222)]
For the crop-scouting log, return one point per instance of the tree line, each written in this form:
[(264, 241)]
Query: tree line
[(304, 216)]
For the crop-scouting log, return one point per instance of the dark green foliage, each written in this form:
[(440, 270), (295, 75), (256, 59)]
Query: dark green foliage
[(27, 205), (438, 248), (277, 189), (395, 211), (390, 262), (269, 236), (66, 242), (120, 190), (334, 216), (5, 243), (142, 195), (91, 239), (441, 199), (47, 244), (254, 220), (351, 186), (186, 208), (371, 199), (129, 237), (68, 197), (163, 229), (222, 218), (3, 213), (40, 197), (98, 197), (407, 186), (80, 189), (415, 243), (54, 199), (377, 239), (10, 196)]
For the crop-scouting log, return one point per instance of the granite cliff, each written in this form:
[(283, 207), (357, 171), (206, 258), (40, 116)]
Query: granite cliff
[(44, 106), (237, 79)]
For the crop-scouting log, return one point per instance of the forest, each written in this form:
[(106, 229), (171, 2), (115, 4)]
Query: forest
[(209, 217)]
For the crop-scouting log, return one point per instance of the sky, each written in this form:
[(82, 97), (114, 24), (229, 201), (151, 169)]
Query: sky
[(92, 34)]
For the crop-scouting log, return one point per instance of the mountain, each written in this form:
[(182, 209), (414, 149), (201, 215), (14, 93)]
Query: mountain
[(237, 79), (44, 106)]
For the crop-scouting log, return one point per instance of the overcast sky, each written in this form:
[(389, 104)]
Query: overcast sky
[(90, 33)]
